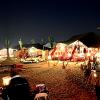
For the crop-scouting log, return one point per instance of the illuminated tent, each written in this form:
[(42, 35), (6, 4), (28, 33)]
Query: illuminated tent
[(3, 52), (90, 40), (32, 51), (58, 51), (23, 53), (77, 50)]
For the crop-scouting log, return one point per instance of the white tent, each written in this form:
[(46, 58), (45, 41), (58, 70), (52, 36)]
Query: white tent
[(77, 43), (32, 51), (3, 52), (48, 45), (58, 51), (77, 50)]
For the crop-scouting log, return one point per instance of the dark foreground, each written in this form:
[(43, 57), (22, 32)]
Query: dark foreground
[(63, 84)]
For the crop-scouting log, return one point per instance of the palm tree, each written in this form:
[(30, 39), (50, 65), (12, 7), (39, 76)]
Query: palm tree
[(20, 43)]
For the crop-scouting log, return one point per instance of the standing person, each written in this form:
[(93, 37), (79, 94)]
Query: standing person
[(87, 73), (18, 88), (89, 65)]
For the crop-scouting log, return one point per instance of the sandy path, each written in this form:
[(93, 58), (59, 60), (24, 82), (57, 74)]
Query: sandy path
[(63, 84)]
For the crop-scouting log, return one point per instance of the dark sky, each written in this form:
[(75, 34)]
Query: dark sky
[(37, 19)]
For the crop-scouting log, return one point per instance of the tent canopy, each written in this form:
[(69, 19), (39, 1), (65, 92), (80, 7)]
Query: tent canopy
[(89, 39), (48, 45), (77, 43)]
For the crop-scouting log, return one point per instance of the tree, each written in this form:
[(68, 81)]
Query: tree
[(20, 43), (51, 40), (42, 41), (33, 41), (7, 44)]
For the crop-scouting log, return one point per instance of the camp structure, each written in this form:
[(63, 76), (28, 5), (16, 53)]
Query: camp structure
[(91, 41), (3, 52), (34, 52), (48, 45), (77, 50), (23, 53), (58, 52), (74, 51)]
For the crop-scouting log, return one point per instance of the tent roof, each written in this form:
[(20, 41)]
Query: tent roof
[(89, 39), (60, 43), (48, 45), (77, 42)]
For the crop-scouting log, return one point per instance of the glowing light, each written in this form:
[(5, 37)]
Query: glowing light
[(62, 47), (97, 55), (49, 57), (69, 55), (88, 54), (81, 55), (95, 75), (32, 49), (6, 80), (94, 71)]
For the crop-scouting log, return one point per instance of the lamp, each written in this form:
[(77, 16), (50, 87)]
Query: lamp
[(6, 80)]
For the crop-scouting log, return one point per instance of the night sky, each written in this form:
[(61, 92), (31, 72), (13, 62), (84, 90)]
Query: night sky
[(38, 19)]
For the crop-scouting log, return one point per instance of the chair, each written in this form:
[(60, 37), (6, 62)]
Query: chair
[(42, 88)]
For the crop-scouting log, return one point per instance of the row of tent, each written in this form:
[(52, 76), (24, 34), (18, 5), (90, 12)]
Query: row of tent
[(62, 51), (80, 46), (74, 51)]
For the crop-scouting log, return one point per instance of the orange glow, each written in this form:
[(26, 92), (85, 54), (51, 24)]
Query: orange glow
[(95, 75), (49, 57), (6, 80)]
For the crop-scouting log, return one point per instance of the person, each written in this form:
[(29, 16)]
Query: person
[(87, 73), (89, 65), (18, 88)]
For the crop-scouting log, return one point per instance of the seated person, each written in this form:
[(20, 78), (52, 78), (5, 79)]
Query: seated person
[(18, 88)]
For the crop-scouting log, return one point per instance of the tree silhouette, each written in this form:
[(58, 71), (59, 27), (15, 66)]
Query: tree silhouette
[(7, 44), (51, 40), (33, 41), (20, 43)]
